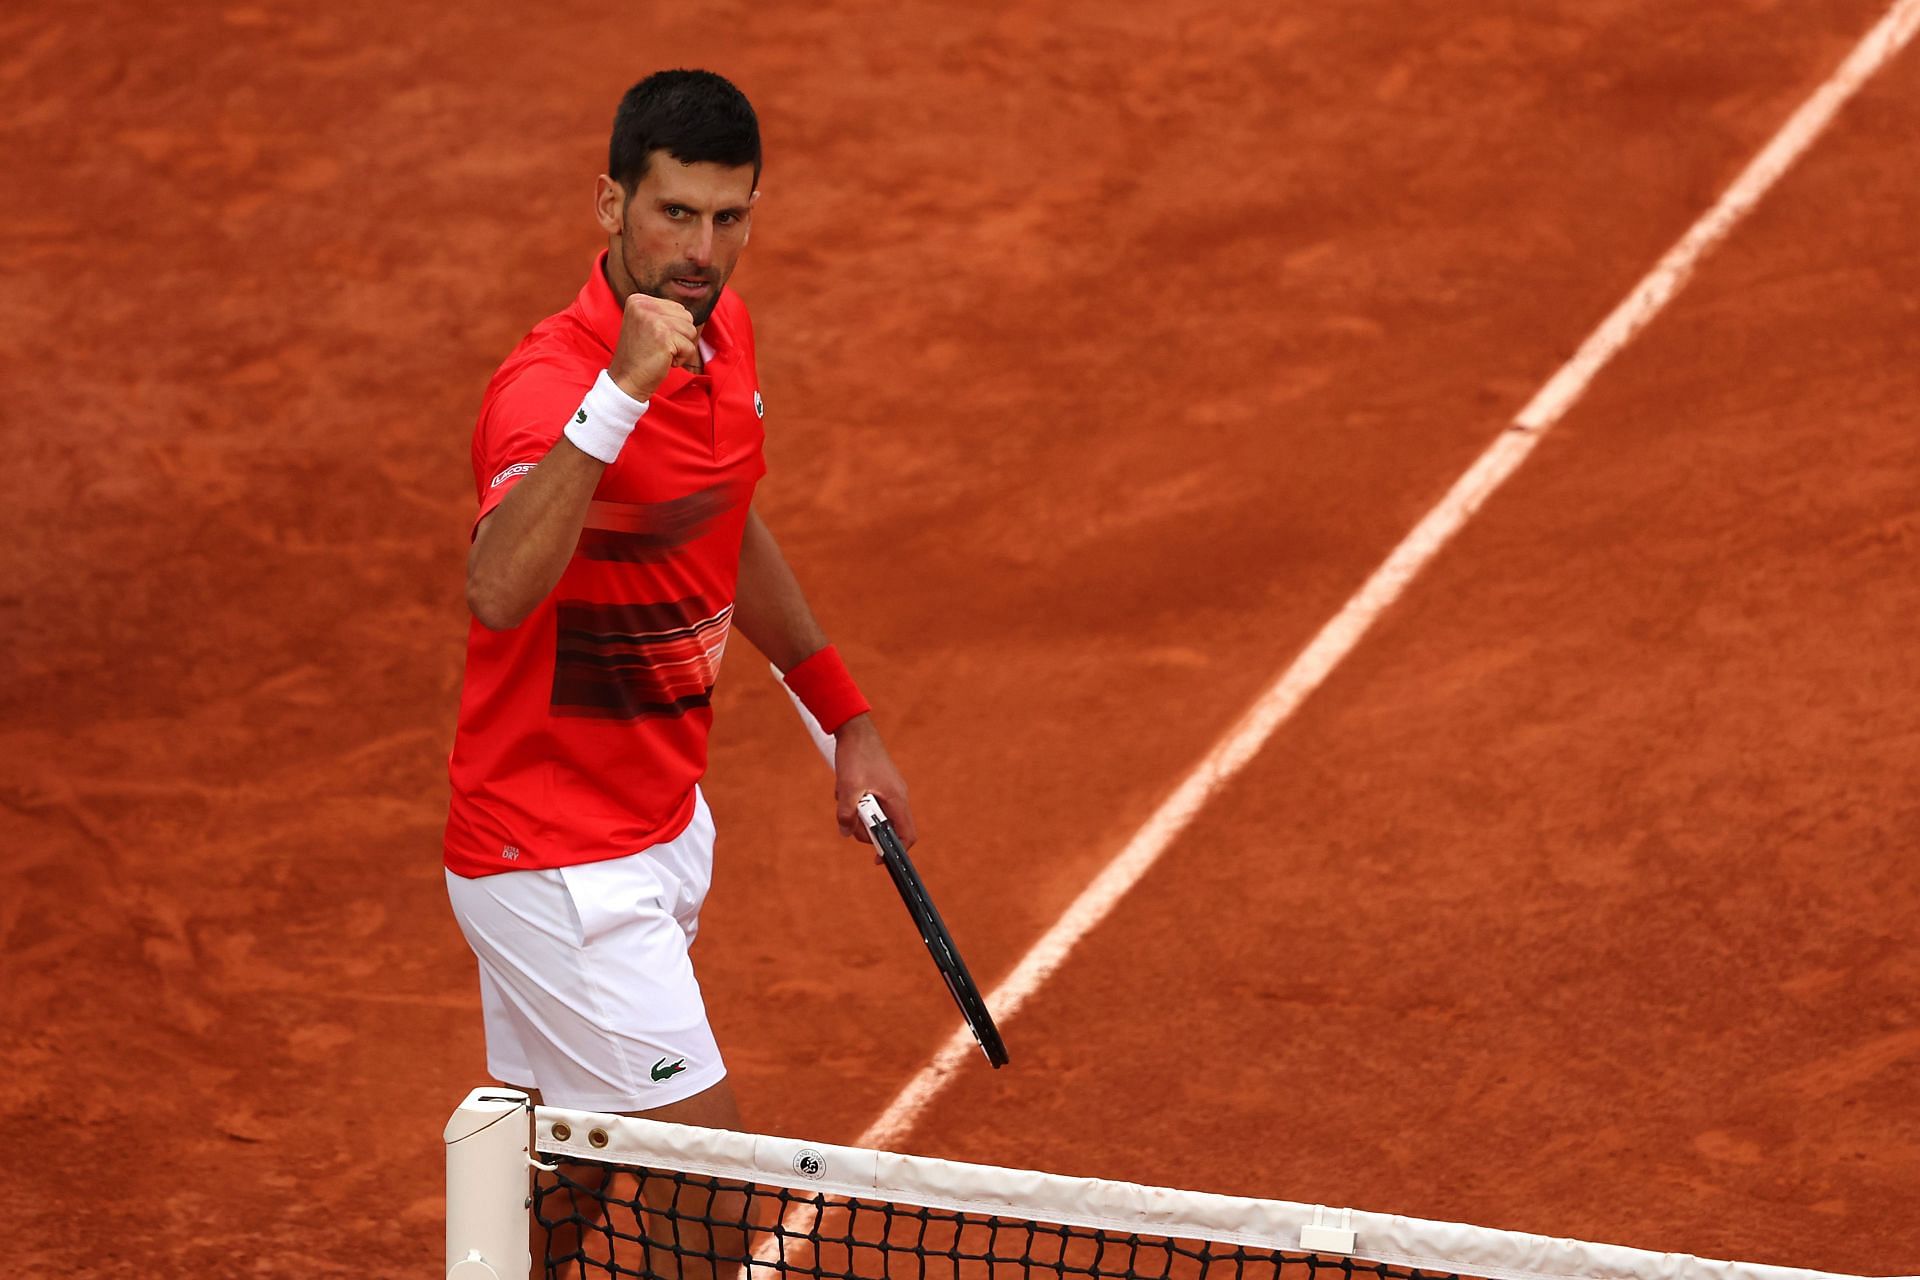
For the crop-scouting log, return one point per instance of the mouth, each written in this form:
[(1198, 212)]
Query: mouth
[(689, 286)]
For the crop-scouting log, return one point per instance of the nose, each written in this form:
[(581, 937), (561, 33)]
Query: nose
[(699, 246)]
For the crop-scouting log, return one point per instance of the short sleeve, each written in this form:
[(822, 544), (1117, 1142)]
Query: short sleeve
[(521, 419)]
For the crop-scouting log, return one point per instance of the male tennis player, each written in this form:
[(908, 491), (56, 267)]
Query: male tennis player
[(615, 548)]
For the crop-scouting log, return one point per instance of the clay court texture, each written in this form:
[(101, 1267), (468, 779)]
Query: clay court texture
[(1107, 348)]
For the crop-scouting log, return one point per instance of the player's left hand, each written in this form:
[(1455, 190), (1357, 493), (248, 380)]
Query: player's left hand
[(861, 766)]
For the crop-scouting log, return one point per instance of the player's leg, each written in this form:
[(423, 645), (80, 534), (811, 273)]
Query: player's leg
[(699, 1226), (711, 1108), (704, 1220), (590, 996), (696, 1228)]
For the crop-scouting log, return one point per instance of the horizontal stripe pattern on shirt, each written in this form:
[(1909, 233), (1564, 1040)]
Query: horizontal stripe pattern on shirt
[(636, 661), (635, 531)]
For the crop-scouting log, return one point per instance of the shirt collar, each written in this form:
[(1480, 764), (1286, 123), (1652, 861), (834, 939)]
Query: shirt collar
[(597, 305)]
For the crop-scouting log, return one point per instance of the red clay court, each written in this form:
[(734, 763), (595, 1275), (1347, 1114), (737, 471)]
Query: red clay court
[(1107, 350)]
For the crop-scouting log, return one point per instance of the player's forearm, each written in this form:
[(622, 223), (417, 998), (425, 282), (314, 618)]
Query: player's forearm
[(769, 608), (522, 547)]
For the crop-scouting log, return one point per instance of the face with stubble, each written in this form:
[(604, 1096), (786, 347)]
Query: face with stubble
[(678, 233)]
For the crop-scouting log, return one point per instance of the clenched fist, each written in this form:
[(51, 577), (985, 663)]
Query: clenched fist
[(655, 335)]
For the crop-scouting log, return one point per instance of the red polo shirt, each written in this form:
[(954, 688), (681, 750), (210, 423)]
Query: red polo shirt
[(583, 730)]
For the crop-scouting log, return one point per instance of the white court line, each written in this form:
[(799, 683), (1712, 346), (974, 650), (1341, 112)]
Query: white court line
[(1338, 637)]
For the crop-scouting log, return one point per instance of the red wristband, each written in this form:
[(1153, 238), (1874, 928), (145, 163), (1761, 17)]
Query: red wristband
[(826, 690)]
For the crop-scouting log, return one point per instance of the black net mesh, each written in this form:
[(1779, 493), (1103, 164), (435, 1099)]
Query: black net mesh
[(615, 1220)]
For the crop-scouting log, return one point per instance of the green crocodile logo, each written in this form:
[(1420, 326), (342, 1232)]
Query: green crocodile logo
[(661, 1071)]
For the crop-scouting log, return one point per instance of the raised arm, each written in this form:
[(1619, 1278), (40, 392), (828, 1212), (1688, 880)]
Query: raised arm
[(522, 547)]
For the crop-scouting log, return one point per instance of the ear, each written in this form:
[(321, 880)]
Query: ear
[(609, 204)]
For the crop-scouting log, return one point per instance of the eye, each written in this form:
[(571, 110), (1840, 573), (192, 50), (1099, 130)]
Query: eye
[(726, 219), (677, 211)]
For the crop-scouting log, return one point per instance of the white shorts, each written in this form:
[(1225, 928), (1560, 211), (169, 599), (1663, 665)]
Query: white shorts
[(585, 981)]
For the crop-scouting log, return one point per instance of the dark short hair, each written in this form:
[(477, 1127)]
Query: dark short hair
[(696, 117)]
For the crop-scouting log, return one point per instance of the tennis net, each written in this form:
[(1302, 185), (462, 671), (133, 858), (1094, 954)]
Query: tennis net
[(623, 1197)]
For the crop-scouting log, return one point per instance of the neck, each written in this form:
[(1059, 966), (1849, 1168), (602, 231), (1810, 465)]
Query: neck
[(615, 272)]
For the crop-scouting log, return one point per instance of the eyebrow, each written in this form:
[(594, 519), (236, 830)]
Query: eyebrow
[(669, 201)]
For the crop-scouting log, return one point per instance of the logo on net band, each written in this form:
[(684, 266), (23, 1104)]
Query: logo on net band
[(809, 1163)]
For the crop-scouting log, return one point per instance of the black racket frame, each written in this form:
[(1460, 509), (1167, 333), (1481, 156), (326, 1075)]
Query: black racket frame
[(940, 944)]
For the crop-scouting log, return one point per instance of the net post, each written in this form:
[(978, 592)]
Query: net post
[(488, 1206)]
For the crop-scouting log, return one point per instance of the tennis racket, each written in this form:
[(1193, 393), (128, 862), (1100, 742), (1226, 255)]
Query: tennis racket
[(933, 931)]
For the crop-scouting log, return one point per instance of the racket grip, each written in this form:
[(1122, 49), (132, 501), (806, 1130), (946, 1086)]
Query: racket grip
[(870, 811)]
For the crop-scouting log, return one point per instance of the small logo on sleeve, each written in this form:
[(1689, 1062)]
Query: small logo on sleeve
[(759, 406), (661, 1071), (517, 469), (580, 415)]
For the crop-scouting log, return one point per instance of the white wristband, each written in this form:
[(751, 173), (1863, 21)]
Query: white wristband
[(604, 419)]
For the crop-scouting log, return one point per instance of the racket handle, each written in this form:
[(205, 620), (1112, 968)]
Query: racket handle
[(870, 811)]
